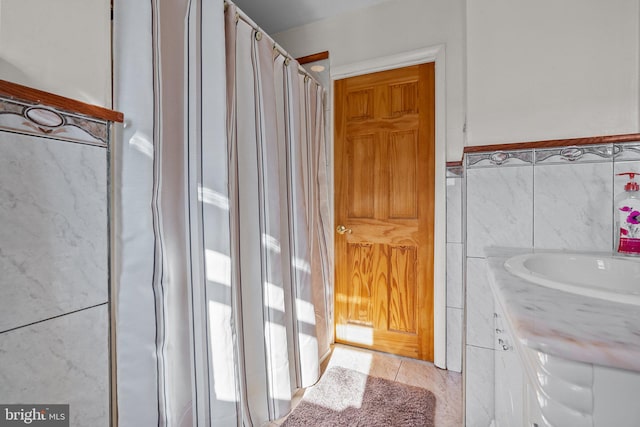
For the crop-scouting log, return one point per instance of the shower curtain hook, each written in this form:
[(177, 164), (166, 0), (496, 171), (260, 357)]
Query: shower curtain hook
[(258, 35)]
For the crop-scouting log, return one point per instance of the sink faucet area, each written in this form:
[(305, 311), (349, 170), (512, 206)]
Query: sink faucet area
[(602, 276)]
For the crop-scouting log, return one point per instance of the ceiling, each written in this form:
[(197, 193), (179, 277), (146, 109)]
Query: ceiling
[(275, 16)]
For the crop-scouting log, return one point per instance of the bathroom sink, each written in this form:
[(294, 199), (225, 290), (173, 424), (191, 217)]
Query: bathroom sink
[(599, 276)]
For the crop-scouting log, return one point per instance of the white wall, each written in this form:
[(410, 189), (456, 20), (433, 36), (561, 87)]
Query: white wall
[(61, 46), (551, 69), (389, 28)]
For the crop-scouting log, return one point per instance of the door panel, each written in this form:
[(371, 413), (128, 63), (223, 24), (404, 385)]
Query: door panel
[(384, 197), (360, 307), (403, 167), (361, 161), (402, 293)]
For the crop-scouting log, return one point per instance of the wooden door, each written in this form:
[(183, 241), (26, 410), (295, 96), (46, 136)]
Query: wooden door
[(384, 167)]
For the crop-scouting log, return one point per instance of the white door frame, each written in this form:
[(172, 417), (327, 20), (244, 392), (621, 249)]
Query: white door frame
[(430, 54)]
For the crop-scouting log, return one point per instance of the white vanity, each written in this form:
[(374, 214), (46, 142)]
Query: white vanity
[(564, 358)]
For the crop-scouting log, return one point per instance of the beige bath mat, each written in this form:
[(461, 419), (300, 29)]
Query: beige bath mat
[(344, 397)]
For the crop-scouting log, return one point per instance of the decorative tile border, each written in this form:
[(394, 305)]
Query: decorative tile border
[(43, 121), (10, 90), (455, 171), (574, 154), (499, 158), (630, 151), (557, 155)]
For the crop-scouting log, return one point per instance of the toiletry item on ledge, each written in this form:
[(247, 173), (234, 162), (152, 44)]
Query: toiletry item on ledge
[(627, 214)]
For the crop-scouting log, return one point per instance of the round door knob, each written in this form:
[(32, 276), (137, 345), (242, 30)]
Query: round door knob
[(341, 229)]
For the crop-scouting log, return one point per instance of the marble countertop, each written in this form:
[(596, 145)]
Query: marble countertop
[(563, 324)]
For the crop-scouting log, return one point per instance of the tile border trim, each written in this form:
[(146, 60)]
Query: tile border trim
[(508, 148), (456, 171), (555, 143), (40, 120), (555, 155), (38, 97)]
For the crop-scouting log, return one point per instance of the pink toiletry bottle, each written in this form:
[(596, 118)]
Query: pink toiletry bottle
[(627, 210)]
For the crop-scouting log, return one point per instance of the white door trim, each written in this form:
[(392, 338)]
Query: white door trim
[(430, 54)]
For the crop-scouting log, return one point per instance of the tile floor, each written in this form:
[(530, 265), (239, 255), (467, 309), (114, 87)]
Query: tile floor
[(446, 385)]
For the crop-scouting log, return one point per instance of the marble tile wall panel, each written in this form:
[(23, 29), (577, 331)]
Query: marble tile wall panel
[(573, 206), (455, 264), (61, 360), (454, 210), (454, 339), (479, 306), (499, 212), (499, 208), (479, 387), (53, 228)]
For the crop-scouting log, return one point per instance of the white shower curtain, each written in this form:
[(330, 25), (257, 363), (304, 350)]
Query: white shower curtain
[(151, 278), (247, 266), (279, 217)]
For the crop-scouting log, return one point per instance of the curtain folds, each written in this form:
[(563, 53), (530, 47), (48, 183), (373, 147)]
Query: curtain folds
[(152, 319), (279, 214)]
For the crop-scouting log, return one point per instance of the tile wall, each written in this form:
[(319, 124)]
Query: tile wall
[(54, 261), (560, 198), (455, 251)]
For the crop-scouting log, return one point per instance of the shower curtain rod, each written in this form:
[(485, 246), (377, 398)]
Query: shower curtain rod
[(241, 15)]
